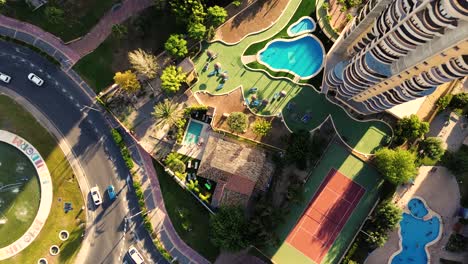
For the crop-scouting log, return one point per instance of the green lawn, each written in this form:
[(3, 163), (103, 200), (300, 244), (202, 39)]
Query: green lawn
[(80, 16), (96, 69), (176, 200), (353, 168), (365, 137), (18, 208), (15, 119)]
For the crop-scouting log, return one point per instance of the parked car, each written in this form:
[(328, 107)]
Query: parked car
[(96, 195), (111, 192), (35, 79), (135, 255), (4, 78)]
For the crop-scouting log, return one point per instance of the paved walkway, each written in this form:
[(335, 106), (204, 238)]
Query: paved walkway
[(102, 30), (68, 55), (159, 217), (40, 39)]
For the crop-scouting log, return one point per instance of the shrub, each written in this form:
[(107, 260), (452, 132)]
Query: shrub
[(456, 243), (349, 17), (216, 15), (174, 163), (432, 147), (162, 250), (228, 229), (299, 148), (459, 100), (237, 122), (411, 128), (119, 31), (116, 136), (444, 101), (54, 15), (397, 166), (326, 6), (172, 78), (176, 46), (261, 127), (237, 3)]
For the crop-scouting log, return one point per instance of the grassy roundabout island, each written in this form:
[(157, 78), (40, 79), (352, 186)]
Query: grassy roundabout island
[(15, 119), (19, 194)]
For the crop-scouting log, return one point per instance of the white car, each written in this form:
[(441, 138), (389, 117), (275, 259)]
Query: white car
[(135, 255), (96, 196), (35, 79), (4, 78)]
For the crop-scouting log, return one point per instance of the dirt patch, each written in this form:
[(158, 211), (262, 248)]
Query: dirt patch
[(234, 102), (260, 15)]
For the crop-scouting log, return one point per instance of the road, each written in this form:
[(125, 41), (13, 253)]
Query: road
[(86, 131)]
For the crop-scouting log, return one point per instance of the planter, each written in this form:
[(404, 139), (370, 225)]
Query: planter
[(42, 261), (54, 250), (64, 235)]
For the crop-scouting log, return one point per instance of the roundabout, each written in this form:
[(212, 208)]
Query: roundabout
[(26, 194)]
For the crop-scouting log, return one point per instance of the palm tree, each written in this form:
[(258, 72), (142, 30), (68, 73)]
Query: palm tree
[(166, 113)]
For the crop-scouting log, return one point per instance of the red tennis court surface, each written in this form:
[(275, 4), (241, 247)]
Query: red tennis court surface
[(326, 215)]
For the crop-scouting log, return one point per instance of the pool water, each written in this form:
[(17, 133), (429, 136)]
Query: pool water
[(416, 233), (303, 25), (193, 132), (302, 56)]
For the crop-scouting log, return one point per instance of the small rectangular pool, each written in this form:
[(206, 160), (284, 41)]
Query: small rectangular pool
[(192, 135)]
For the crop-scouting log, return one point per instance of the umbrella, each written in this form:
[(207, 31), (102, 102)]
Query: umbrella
[(283, 93), (209, 53), (265, 102), (224, 75), (217, 65)]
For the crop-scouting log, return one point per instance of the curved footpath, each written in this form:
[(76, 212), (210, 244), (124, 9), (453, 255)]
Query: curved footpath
[(68, 55), (163, 225)]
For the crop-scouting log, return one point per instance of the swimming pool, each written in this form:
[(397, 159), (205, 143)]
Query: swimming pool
[(302, 56), (303, 25), (192, 135), (417, 231)]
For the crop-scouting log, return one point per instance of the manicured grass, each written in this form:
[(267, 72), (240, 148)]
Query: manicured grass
[(353, 168), (178, 200), (18, 208), (95, 68), (15, 119), (365, 137), (79, 18)]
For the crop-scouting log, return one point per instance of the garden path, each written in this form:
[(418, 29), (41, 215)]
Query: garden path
[(103, 29)]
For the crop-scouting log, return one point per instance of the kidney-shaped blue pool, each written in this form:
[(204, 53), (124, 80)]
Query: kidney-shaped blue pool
[(303, 25), (303, 56), (416, 233)]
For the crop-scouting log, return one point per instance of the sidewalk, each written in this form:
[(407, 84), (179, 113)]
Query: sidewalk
[(103, 28), (68, 55), (40, 39), (155, 203)]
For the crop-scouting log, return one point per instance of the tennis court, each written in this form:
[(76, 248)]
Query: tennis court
[(326, 215)]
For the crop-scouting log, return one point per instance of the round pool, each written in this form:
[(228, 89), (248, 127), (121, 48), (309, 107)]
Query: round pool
[(301, 56), (19, 194)]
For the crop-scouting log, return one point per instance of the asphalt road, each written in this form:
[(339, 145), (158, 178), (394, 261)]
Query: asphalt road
[(65, 104)]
